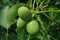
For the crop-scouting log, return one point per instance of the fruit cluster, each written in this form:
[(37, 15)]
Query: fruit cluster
[(24, 17)]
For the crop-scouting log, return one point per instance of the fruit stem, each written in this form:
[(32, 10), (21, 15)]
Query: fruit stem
[(28, 37)]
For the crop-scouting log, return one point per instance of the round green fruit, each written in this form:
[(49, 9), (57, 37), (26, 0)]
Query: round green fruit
[(24, 13), (32, 27), (20, 23)]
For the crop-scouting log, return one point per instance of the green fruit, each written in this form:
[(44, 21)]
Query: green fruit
[(20, 23), (12, 14), (24, 13), (32, 27)]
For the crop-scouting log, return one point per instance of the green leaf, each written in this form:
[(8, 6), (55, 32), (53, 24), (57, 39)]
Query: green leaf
[(5, 1), (11, 36), (3, 37), (58, 18), (3, 15), (53, 14), (20, 33)]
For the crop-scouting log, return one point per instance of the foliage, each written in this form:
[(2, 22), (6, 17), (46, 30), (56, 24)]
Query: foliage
[(45, 12)]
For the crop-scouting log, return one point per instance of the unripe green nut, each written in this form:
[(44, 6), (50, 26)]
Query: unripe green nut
[(24, 13), (20, 23), (32, 27)]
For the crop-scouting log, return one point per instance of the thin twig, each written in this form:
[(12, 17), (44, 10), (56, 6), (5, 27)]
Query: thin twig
[(33, 4), (38, 12), (7, 35)]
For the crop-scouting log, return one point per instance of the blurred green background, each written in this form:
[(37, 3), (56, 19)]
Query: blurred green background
[(5, 6)]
